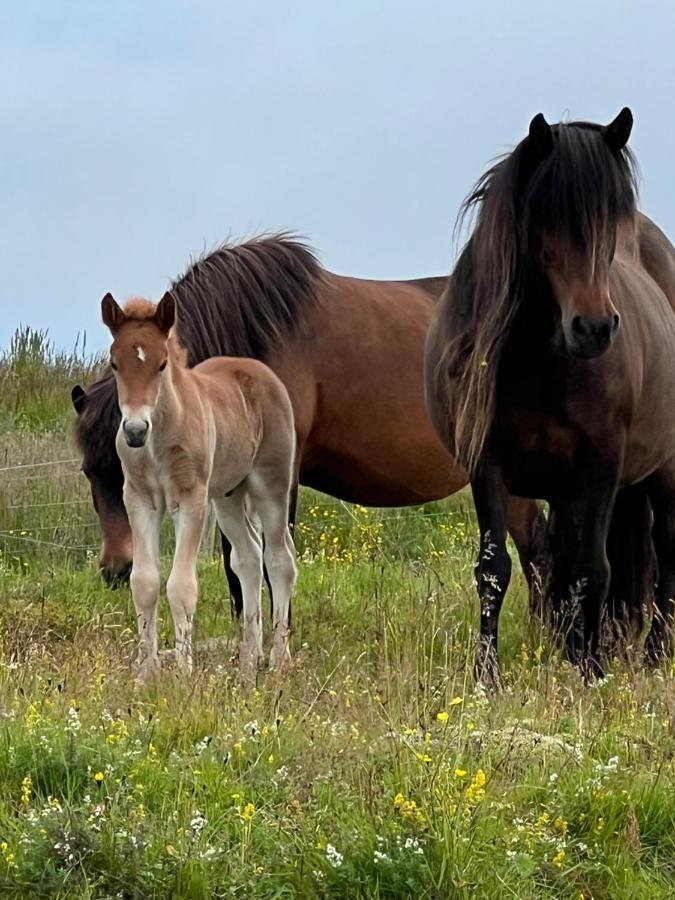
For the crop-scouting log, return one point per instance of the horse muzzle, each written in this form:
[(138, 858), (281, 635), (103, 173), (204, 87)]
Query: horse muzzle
[(588, 338)]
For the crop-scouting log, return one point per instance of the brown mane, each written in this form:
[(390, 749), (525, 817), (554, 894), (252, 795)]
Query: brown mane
[(238, 300)]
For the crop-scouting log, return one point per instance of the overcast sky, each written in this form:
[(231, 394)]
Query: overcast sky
[(135, 133)]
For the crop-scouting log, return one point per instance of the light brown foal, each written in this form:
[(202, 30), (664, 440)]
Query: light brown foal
[(220, 432)]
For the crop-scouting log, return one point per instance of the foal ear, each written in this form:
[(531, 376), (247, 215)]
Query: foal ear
[(541, 136), (112, 313), (79, 398), (165, 314), (617, 132)]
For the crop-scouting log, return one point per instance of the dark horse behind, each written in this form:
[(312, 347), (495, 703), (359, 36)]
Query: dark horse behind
[(350, 353), (550, 373)]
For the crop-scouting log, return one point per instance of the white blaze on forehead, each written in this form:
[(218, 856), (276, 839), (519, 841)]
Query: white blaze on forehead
[(140, 353)]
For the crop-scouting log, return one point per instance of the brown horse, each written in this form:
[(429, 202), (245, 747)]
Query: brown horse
[(550, 369), (350, 353), (220, 432)]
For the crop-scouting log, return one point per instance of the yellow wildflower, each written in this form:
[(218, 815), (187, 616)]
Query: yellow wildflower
[(442, 717), (456, 701), (248, 812), (423, 757), (559, 859), (475, 792), (26, 790), (399, 800), (32, 717), (560, 825), (99, 777), (8, 855), (460, 773)]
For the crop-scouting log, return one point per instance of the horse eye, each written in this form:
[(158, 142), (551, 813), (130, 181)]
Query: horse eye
[(163, 366), (113, 366)]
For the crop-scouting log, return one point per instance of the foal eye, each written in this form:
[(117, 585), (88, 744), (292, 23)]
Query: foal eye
[(163, 366), (113, 366)]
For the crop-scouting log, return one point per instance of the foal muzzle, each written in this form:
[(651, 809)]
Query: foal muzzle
[(135, 432)]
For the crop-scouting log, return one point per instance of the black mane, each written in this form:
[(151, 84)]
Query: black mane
[(239, 300)]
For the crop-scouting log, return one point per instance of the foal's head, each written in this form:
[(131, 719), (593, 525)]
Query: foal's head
[(139, 356)]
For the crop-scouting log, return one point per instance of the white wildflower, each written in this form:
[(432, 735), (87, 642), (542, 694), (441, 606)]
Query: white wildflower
[(333, 856)]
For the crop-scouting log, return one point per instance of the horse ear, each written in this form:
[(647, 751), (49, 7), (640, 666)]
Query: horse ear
[(541, 136), (165, 314), (79, 398), (617, 132), (112, 313)]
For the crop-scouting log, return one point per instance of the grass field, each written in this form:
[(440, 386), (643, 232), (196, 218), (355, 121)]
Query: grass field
[(373, 769)]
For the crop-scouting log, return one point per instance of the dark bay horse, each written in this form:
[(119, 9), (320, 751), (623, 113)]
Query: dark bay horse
[(350, 353), (550, 370)]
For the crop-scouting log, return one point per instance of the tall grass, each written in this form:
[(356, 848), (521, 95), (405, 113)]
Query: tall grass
[(35, 381), (372, 769)]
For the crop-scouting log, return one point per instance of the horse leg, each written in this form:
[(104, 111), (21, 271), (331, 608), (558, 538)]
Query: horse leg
[(182, 588), (246, 561), (589, 576), (233, 583), (659, 643), (526, 524), (279, 555), (493, 569), (145, 521)]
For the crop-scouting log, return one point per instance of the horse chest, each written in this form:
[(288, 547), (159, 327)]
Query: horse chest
[(536, 451)]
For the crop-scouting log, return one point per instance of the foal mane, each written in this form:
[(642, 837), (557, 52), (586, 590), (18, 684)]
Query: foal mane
[(577, 193), (238, 300)]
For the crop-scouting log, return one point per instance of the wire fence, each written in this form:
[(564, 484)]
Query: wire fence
[(46, 510)]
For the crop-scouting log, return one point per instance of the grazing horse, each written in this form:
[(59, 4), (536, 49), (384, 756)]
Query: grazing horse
[(220, 432), (349, 352), (550, 370)]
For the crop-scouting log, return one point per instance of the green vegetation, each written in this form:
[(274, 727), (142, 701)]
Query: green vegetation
[(372, 769)]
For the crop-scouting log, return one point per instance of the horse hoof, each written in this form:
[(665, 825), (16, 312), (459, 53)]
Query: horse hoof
[(592, 670), (147, 670), (658, 647), (249, 663), (280, 659), (487, 673)]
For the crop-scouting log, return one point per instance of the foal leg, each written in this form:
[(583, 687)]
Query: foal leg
[(279, 555), (493, 569), (659, 644), (246, 561), (181, 588), (145, 521)]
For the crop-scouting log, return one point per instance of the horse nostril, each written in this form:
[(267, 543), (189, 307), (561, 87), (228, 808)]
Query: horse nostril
[(579, 326), (616, 321)]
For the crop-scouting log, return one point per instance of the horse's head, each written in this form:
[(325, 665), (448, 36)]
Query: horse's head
[(549, 217), (138, 357), (575, 189), (97, 423)]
